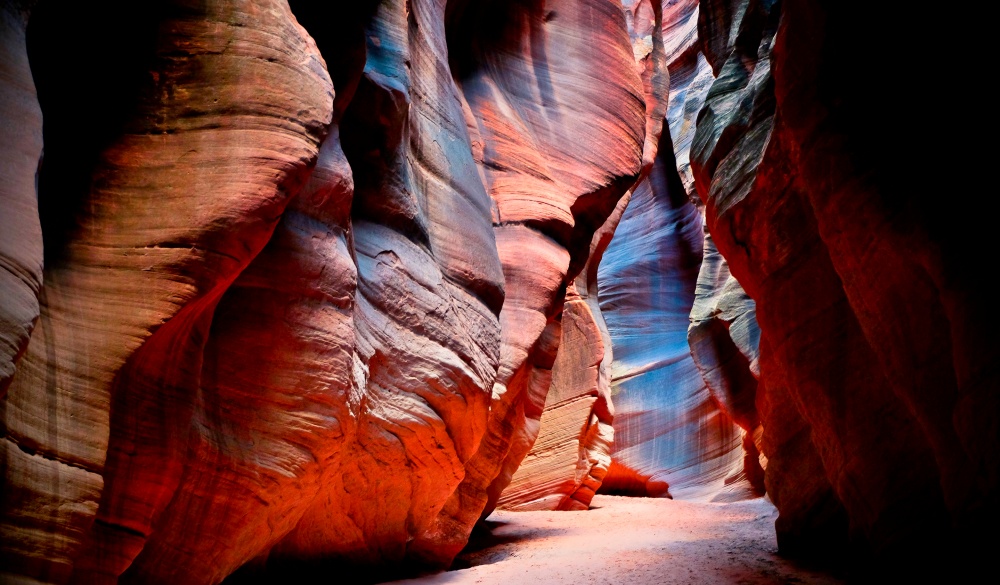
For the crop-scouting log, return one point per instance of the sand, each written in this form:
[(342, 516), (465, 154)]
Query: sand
[(633, 541)]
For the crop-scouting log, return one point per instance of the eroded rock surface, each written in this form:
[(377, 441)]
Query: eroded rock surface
[(537, 157), (668, 423), (879, 427), (572, 452), (297, 319), (571, 455), (107, 384), (670, 437), (21, 151), (725, 344)]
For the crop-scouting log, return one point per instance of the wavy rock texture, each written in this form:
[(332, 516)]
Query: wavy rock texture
[(273, 325), (690, 79), (733, 131), (878, 376), (542, 115), (725, 344), (572, 452), (723, 335), (106, 387)]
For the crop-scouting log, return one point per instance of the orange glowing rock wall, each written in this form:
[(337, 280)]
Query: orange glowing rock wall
[(310, 282)]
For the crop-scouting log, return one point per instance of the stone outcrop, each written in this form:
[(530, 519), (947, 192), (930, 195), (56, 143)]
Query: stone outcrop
[(670, 429), (877, 368), (311, 287), (101, 409), (572, 451), (690, 79), (317, 277), (723, 335)]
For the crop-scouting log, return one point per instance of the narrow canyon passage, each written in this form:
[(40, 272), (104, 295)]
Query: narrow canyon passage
[(295, 290), (633, 541)]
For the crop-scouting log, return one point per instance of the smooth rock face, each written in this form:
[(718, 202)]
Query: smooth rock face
[(690, 79), (572, 451), (723, 334), (31, 508), (292, 327), (725, 344), (547, 94), (734, 127), (104, 394), (670, 437), (877, 396)]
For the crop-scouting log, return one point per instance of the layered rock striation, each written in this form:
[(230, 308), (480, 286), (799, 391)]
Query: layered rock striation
[(674, 435), (671, 438), (20, 230), (308, 288), (877, 393), (572, 452)]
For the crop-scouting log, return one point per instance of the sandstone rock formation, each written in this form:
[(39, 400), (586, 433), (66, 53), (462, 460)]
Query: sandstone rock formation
[(571, 454), (668, 422), (20, 232), (670, 437), (538, 154), (690, 79), (316, 276), (725, 344), (723, 334), (297, 318), (106, 391), (877, 369)]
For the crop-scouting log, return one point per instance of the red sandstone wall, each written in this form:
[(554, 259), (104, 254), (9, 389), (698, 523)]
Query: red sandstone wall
[(300, 310), (877, 395)]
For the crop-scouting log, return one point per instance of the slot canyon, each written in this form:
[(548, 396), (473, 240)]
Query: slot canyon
[(495, 291)]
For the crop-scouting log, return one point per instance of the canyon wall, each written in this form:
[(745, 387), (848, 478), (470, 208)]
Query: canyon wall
[(672, 437), (21, 152), (305, 291), (571, 454), (325, 284), (878, 371)]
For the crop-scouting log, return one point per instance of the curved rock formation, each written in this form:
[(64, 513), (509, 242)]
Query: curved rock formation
[(572, 451), (542, 148), (108, 381), (568, 460), (878, 375), (690, 79), (725, 344), (647, 283), (271, 337), (309, 297), (670, 437)]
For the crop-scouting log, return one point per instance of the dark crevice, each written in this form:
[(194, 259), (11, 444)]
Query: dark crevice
[(479, 27), (339, 31), (88, 61)]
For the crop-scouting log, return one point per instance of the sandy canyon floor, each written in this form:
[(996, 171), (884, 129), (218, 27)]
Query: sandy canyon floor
[(633, 541)]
